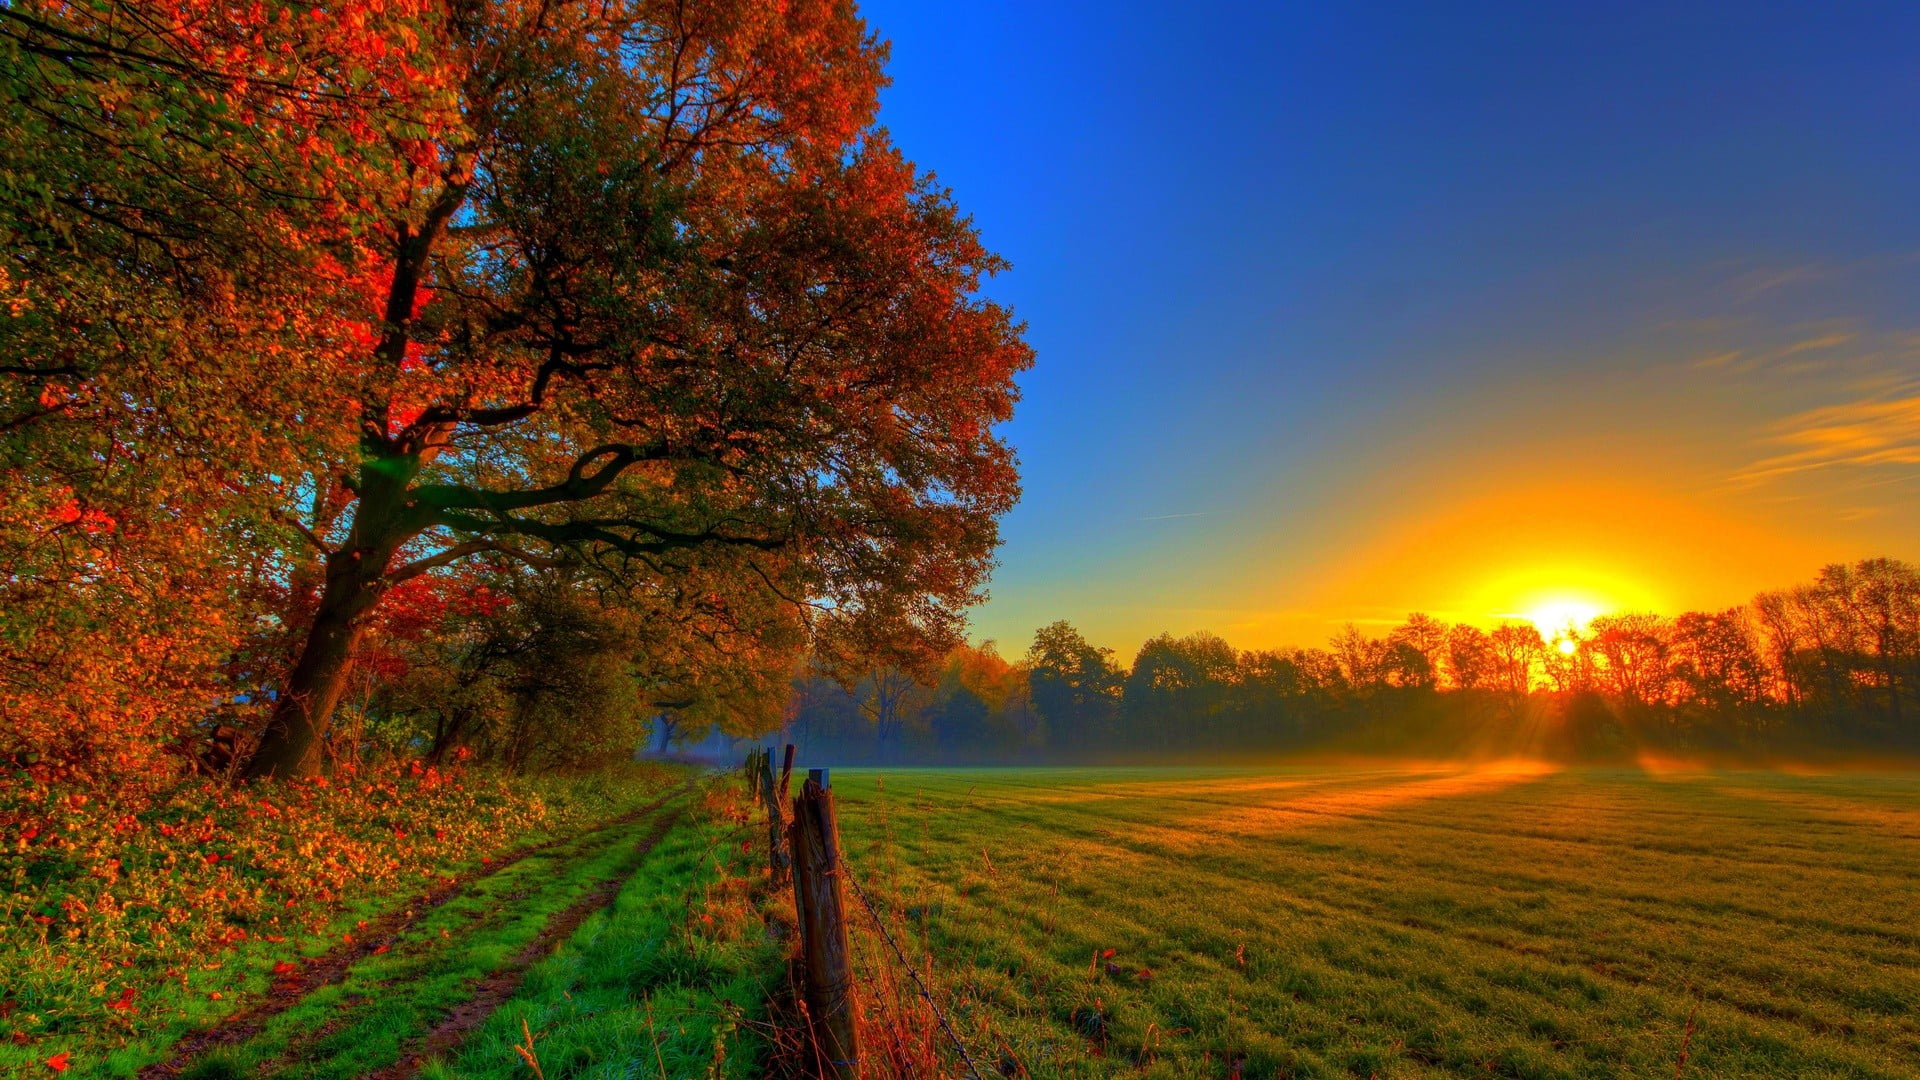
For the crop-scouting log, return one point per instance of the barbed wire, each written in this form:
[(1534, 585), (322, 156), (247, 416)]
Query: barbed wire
[(912, 973)]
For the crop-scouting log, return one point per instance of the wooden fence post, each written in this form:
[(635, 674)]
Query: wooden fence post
[(821, 905), (778, 861)]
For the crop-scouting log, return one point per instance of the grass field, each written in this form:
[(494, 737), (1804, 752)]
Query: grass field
[(634, 946), (1485, 922)]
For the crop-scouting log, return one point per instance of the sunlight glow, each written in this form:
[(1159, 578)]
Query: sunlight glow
[(1559, 614)]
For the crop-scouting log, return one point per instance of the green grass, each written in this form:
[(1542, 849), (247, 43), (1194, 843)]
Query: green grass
[(187, 983), (1319, 922), (673, 975), (671, 980), (363, 1022)]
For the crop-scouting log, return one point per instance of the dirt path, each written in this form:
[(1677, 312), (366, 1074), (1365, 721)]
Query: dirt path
[(378, 935), (494, 990)]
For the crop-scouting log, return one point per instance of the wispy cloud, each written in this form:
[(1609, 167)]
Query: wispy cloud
[(1755, 283), (1873, 432), (1802, 353)]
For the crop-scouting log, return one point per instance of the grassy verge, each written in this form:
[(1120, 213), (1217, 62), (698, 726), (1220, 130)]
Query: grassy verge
[(136, 915), (1321, 923), (364, 1022), (671, 980)]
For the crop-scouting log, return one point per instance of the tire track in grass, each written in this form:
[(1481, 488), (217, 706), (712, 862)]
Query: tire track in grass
[(380, 935), (674, 977), (494, 990)]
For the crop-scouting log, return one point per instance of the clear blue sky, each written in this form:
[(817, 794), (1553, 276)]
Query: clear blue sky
[(1344, 310)]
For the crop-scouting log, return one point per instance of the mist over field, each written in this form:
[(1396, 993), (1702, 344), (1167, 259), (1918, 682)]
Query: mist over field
[(1823, 675)]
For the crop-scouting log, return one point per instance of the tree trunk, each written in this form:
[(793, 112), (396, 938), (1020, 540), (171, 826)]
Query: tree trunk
[(382, 522), (355, 579), (449, 729), (290, 746), (668, 728), (1884, 644)]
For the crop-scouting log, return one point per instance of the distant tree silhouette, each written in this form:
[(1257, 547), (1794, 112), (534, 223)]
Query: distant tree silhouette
[(1517, 649), (1363, 661), (1631, 650), (1418, 649), (1831, 666), (1179, 689), (1075, 687), (1470, 657)]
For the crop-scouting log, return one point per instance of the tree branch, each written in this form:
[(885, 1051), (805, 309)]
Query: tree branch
[(312, 537), (40, 372), (583, 482), (448, 556), (555, 364), (601, 531)]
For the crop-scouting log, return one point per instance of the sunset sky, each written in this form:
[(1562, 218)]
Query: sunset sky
[(1349, 310)]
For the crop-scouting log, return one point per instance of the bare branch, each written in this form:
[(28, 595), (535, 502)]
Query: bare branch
[(40, 372), (613, 533), (312, 537)]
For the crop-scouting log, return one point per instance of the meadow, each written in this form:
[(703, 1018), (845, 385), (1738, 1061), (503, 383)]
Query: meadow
[(1491, 921)]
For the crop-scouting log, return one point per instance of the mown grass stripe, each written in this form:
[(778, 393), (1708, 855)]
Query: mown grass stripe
[(1445, 936)]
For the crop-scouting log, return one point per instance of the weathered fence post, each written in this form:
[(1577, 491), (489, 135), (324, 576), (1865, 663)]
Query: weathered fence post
[(778, 861), (821, 905)]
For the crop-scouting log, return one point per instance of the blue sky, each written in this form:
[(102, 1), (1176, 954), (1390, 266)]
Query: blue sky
[(1347, 310)]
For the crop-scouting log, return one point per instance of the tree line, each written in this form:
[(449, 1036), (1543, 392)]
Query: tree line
[(1830, 667)]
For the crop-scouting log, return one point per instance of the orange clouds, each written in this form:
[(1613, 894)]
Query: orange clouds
[(1872, 432)]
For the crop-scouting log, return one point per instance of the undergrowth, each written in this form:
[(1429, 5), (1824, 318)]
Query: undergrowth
[(133, 912)]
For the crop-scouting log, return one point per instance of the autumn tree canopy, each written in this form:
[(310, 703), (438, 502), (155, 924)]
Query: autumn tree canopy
[(305, 304)]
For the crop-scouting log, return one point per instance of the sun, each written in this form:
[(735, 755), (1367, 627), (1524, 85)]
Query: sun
[(1561, 596), (1557, 615)]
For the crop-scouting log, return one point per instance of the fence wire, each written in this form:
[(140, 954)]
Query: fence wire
[(760, 757), (912, 972)]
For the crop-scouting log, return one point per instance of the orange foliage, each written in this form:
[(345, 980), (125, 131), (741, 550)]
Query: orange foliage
[(364, 291)]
